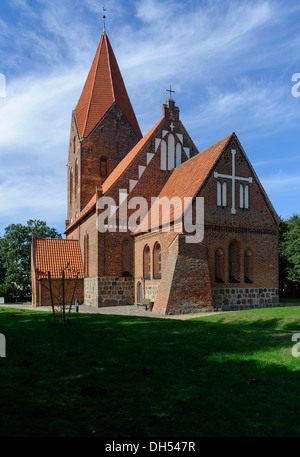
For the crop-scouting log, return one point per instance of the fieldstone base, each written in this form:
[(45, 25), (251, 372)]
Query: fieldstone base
[(108, 291), (247, 298)]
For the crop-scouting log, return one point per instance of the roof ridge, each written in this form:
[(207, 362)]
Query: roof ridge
[(56, 239), (208, 147), (110, 72), (93, 86)]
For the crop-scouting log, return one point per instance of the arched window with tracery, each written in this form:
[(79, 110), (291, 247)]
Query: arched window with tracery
[(146, 262), (234, 262), (157, 261), (219, 266), (248, 266)]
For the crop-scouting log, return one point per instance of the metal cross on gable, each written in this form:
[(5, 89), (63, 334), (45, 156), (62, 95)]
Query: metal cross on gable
[(170, 90), (233, 178)]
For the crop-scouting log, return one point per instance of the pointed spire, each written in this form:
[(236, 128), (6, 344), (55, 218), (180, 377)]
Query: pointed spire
[(104, 86)]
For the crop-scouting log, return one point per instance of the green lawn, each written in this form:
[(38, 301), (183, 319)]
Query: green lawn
[(230, 374)]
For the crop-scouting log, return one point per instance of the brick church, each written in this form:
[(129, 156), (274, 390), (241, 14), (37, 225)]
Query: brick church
[(234, 265)]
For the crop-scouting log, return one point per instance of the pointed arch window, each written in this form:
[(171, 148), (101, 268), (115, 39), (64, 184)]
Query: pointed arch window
[(219, 266), (248, 266), (86, 248), (157, 261), (244, 196), (146, 262), (71, 186), (234, 262), (103, 167), (221, 193), (76, 177), (127, 255), (163, 155), (170, 153), (178, 154)]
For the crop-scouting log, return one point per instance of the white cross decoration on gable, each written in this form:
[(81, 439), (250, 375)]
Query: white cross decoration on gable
[(233, 178)]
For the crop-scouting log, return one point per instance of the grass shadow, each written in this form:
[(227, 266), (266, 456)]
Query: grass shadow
[(231, 374)]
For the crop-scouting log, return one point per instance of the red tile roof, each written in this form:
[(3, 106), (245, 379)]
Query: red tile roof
[(104, 86), (184, 181), (54, 255)]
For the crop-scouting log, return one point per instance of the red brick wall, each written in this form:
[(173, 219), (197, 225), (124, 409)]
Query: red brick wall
[(254, 229), (185, 283), (57, 292), (150, 285), (88, 226)]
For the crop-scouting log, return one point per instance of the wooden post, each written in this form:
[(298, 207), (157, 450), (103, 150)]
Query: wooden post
[(51, 295), (73, 293), (63, 293)]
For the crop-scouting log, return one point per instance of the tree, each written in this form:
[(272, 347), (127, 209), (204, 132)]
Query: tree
[(2, 268), (15, 252), (289, 257)]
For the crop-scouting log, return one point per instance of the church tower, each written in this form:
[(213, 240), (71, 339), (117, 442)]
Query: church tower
[(104, 129)]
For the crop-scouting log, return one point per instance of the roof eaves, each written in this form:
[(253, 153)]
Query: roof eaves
[(93, 87)]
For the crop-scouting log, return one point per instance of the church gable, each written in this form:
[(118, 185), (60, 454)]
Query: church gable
[(184, 181), (145, 169), (233, 193)]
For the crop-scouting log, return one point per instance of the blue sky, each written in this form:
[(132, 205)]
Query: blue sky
[(230, 62)]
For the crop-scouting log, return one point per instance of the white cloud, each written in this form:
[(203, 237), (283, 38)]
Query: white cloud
[(36, 109), (280, 182), (228, 61)]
